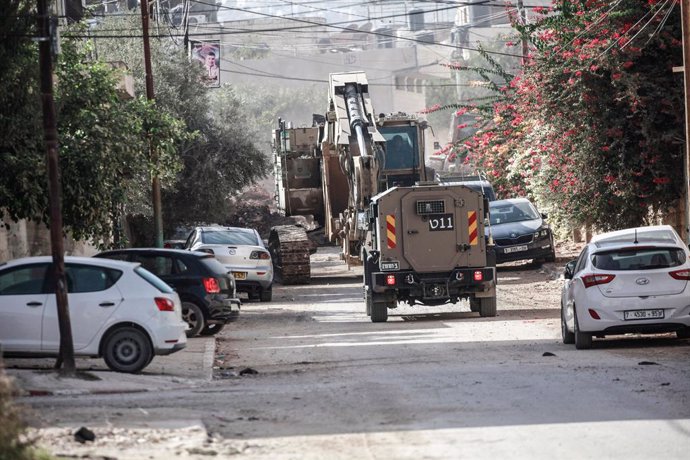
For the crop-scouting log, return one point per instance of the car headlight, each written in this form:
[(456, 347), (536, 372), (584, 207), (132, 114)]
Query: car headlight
[(543, 233)]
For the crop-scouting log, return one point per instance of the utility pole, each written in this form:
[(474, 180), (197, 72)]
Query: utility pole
[(65, 360), (523, 19), (155, 180), (685, 21)]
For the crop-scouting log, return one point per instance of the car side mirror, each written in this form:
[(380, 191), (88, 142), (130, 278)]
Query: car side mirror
[(544, 215), (569, 270)]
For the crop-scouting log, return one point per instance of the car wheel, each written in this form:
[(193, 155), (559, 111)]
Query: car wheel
[(127, 350), (266, 295), (487, 307), (212, 329), (378, 311), (192, 315), (568, 337), (551, 257), (683, 333), (583, 341)]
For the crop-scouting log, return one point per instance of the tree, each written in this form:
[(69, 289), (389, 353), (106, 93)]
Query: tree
[(102, 140), (593, 126), (222, 158)]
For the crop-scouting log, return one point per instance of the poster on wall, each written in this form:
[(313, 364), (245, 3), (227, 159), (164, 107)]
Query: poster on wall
[(207, 54)]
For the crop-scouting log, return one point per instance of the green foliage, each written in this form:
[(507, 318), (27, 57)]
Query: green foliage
[(221, 158), (13, 444), (593, 127)]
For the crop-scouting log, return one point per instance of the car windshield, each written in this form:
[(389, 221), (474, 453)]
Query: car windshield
[(503, 213), (639, 258), (229, 237)]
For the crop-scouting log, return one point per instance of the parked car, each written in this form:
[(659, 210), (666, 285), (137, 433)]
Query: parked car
[(629, 281), (241, 251), (205, 287), (118, 310), (173, 244), (520, 232)]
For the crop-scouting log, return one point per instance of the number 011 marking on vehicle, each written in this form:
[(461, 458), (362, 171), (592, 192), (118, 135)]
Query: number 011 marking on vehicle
[(439, 222)]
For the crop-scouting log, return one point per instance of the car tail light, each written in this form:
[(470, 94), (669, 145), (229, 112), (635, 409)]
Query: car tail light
[(593, 280), (259, 255), (390, 280), (164, 304), (680, 274), (211, 285), (207, 251), (593, 314), (478, 275)]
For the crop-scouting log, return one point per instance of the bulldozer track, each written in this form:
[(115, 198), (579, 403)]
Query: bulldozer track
[(290, 248)]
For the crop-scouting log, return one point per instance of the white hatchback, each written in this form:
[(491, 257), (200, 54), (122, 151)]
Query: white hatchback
[(629, 281), (118, 310), (242, 252)]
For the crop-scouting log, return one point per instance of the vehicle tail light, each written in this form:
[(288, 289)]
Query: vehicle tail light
[(164, 304), (593, 314), (680, 274), (390, 280), (478, 275), (207, 251), (599, 278), (211, 285), (259, 255)]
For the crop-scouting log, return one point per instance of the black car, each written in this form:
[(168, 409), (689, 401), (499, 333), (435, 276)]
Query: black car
[(520, 232), (205, 287)]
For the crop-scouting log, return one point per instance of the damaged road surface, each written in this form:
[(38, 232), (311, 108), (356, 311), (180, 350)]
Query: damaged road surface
[(325, 382)]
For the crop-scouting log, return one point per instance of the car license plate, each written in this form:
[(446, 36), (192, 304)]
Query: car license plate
[(643, 314), (515, 249), (240, 275)]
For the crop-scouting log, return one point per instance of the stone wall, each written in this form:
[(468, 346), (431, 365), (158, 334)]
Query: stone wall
[(25, 238)]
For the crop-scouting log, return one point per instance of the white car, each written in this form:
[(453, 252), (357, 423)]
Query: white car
[(118, 310), (242, 252), (628, 281)]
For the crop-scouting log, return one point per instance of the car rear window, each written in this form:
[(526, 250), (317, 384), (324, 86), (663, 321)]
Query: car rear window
[(647, 258), (229, 237), (153, 280)]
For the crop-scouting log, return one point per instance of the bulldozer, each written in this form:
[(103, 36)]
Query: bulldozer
[(352, 171)]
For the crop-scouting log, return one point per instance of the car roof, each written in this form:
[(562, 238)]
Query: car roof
[(657, 234), (220, 228), (169, 251), (509, 201), (110, 263)]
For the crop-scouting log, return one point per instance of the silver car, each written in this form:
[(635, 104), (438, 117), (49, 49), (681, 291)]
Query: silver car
[(242, 252)]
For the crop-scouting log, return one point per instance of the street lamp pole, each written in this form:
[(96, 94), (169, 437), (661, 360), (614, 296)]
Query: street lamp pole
[(685, 15)]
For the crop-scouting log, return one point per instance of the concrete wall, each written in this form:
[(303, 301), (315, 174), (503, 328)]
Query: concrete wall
[(25, 238)]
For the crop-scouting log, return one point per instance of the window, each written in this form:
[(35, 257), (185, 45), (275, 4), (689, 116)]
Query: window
[(87, 278), (180, 267), (25, 280), (641, 258), (158, 265), (581, 261), (153, 280), (227, 236)]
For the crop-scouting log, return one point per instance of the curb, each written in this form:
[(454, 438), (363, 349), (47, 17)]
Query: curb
[(208, 358)]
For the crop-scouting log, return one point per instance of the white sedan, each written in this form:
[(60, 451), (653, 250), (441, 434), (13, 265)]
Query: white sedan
[(628, 281), (118, 310)]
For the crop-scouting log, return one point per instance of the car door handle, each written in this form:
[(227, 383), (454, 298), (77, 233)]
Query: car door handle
[(106, 304), (34, 304)]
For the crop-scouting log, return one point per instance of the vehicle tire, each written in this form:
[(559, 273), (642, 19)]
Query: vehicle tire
[(368, 301), (194, 316), (474, 304), (487, 307), (568, 337), (127, 349), (379, 312), (212, 329), (583, 341), (266, 295), (550, 258)]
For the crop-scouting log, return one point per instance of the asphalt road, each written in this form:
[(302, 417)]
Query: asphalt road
[(430, 383)]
